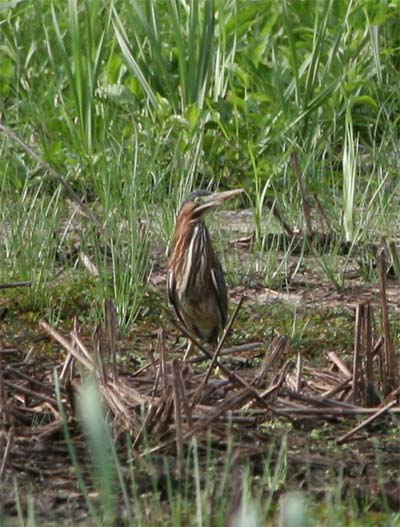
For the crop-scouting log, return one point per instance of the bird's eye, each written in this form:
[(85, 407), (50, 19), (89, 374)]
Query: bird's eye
[(197, 199)]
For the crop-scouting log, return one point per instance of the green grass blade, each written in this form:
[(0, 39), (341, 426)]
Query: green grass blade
[(131, 62)]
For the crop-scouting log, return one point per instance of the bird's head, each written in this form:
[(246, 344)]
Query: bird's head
[(198, 203)]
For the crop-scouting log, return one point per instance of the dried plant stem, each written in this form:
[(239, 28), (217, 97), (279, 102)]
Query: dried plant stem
[(184, 398), (15, 284), (67, 345), (178, 420), (233, 377), (394, 251), (358, 377), (339, 363), (324, 222), (3, 398), (197, 396), (390, 368), (342, 439), (163, 354), (299, 371), (278, 215), (26, 391), (111, 328), (251, 346), (369, 373), (277, 346), (6, 452)]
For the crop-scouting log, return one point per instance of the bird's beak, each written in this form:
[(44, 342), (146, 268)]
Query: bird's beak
[(213, 200)]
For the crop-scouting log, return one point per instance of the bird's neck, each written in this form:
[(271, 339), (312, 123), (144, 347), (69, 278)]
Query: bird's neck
[(193, 244)]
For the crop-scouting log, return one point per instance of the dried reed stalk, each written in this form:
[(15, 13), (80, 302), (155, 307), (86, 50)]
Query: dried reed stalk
[(178, 420), (299, 371), (233, 377), (339, 363), (276, 347), (111, 328), (358, 374), (345, 437), (68, 346), (390, 372)]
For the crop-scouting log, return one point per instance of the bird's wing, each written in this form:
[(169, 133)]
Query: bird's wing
[(171, 287), (218, 281), (171, 290)]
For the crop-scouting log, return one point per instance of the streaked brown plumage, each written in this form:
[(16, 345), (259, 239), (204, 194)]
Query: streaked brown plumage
[(195, 282)]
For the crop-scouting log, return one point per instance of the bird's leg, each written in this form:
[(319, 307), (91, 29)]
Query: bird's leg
[(188, 350)]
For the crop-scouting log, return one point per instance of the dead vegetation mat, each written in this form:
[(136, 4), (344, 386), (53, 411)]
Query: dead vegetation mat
[(335, 419)]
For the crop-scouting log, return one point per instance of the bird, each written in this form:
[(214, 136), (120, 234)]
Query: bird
[(196, 284)]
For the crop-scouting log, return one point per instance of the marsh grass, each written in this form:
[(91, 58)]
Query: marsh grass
[(212, 85), (136, 103), (29, 245)]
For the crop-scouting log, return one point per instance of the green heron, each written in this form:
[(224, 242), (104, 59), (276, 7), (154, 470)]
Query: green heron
[(195, 281)]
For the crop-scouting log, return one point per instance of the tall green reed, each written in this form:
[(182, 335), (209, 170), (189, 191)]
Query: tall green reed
[(180, 70), (81, 41)]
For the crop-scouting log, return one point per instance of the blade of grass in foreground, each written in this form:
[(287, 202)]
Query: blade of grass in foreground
[(72, 453)]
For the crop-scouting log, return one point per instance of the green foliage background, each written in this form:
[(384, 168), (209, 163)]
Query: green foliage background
[(137, 102)]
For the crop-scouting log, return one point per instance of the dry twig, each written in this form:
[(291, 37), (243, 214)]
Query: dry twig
[(15, 284), (342, 439)]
